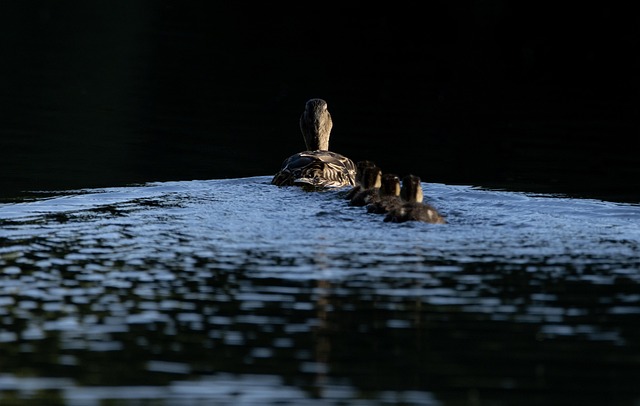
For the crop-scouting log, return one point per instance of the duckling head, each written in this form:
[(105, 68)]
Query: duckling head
[(371, 177), (411, 189), (360, 169), (390, 185)]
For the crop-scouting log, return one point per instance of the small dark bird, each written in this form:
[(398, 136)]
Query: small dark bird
[(413, 208), (371, 181), (388, 195), (360, 167)]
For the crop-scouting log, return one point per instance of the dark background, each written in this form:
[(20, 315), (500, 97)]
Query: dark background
[(536, 96)]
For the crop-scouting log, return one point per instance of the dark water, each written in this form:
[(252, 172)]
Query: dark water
[(236, 291), (521, 118)]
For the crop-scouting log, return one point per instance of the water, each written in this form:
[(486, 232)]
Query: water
[(236, 291)]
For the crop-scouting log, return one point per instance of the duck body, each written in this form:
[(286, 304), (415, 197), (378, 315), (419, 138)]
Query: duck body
[(317, 167), (384, 205), (371, 181), (415, 212), (363, 197), (388, 195), (412, 207), (360, 170)]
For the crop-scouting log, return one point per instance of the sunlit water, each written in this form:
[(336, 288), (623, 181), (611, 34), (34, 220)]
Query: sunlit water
[(237, 291)]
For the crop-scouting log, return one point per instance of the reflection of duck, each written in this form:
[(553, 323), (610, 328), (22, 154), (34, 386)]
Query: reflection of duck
[(371, 180), (413, 209), (317, 167), (360, 167), (388, 195)]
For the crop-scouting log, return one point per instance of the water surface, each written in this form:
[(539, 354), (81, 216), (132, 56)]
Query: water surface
[(234, 290)]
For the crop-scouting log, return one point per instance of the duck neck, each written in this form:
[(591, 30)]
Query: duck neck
[(419, 196), (411, 189), (316, 140), (316, 124)]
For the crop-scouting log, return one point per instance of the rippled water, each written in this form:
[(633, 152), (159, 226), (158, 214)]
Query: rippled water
[(238, 291)]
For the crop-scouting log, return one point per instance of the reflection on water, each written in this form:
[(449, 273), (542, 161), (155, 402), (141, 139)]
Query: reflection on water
[(236, 290)]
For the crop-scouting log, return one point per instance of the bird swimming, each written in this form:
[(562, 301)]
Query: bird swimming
[(413, 208), (360, 170), (316, 167), (388, 195), (371, 181)]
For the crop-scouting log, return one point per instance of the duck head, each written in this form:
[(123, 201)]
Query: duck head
[(411, 189), (316, 124), (371, 177), (390, 185)]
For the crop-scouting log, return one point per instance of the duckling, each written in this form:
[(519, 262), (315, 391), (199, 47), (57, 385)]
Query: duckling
[(414, 209), (360, 167), (388, 195), (371, 181), (317, 167), (411, 191)]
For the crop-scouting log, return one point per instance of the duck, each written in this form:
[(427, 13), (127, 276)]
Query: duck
[(360, 169), (413, 207), (316, 167), (371, 181), (388, 195)]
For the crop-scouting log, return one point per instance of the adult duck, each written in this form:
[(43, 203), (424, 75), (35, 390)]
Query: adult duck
[(413, 208), (317, 167)]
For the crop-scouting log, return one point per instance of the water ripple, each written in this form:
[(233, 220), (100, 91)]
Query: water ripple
[(239, 281)]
